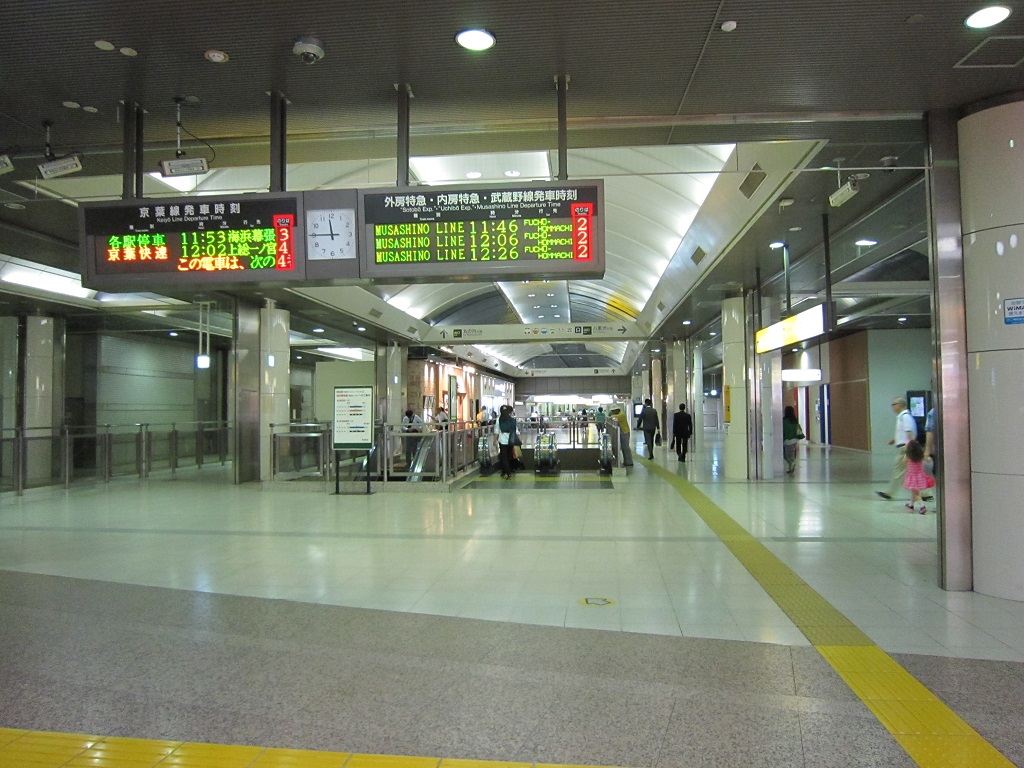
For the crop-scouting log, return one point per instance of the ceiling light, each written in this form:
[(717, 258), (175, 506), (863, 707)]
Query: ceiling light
[(318, 330), (551, 294), (202, 361), (687, 322), (129, 52), (473, 174), (536, 306), (360, 328), (90, 110), (15, 206), (987, 17), (173, 333), (557, 315), (530, 295), (217, 57), (103, 45), (541, 317), (71, 104), (512, 174), (714, 333), (728, 26), (866, 243), (901, 319), (795, 229), (776, 245), (45, 280), (475, 39)]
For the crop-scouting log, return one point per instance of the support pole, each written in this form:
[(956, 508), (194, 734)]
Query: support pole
[(562, 84), (278, 141), (131, 152), (404, 110), (830, 315)]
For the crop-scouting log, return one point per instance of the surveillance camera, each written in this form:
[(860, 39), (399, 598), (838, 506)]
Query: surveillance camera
[(309, 49), (888, 163)]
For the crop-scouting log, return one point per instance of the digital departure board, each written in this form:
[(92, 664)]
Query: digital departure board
[(516, 232), (193, 241)]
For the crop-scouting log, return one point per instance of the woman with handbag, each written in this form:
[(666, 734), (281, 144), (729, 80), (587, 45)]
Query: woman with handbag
[(506, 440), (791, 435)]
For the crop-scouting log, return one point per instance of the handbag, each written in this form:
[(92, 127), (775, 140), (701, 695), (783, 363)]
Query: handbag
[(657, 438), (517, 441)]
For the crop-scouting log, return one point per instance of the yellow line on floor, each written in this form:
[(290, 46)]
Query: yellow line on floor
[(43, 749), (931, 733)]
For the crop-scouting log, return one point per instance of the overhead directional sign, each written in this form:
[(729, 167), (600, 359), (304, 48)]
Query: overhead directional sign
[(487, 334), (525, 231)]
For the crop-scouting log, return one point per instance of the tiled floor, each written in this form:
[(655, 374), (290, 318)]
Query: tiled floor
[(124, 660)]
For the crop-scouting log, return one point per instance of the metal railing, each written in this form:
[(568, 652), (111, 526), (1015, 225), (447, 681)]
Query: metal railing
[(34, 457), (304, 451)]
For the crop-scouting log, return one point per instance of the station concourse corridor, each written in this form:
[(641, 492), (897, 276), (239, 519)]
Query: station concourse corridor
[(668, 618)]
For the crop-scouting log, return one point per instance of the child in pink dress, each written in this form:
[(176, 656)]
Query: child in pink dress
[(915, 480)]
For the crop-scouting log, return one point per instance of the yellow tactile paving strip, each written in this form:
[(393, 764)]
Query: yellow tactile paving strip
[(931, 733), (39, 749)]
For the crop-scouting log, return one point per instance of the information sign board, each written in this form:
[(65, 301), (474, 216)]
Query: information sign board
[(526, 231), (192, 241), (353, 418)]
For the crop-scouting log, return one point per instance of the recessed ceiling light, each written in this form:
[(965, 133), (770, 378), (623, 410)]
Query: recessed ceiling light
[(298, 357), (512, 174), (714, 333), (318, 330), (551, 294), (536, 306), (776, 245), (475, 39), (557, 315), (173, 333), (987, 17), (15, 206), (103, 45), (217, 57), (541, 316), (554, 306), (360, 328), (728, 26), (530, 295), (687, 322), (866, 243), (795, 229), (129, 52), (473, 174), (901, 319), (71, 104), (90, 110)]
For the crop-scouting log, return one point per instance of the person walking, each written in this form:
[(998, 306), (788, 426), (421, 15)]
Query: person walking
[(411, 422), (648, 422), (682, 428), (792, 434), (599, 419), (906, 430), (915, 479), (616, 415), (506, 440)]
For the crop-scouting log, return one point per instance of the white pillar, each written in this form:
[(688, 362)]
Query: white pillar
[(275, 380), (734, 387), (991, 172), (697, 399), (43, 397)]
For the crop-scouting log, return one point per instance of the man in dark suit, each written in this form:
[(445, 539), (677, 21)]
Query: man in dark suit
[(682, 428)]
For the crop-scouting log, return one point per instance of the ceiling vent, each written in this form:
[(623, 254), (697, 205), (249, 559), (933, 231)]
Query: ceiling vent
[(698, 255), (661, 306), (996, 52), (375, 313), (753, 180)]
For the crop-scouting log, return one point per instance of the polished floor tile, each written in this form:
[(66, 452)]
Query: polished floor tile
[(459, 625)]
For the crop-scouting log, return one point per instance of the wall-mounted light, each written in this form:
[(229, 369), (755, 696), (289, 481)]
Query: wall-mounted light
[(271, 360)]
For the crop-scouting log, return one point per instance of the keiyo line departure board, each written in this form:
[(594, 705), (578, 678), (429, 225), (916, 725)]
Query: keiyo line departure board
[(193, 241), (530, 231)]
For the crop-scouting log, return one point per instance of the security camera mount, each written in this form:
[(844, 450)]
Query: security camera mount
[(310, 49)]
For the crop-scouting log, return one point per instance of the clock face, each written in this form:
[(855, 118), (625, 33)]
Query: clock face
[(330, 234)]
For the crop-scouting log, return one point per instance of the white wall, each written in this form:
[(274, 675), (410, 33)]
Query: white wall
[(898, 360), (142, 380)]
